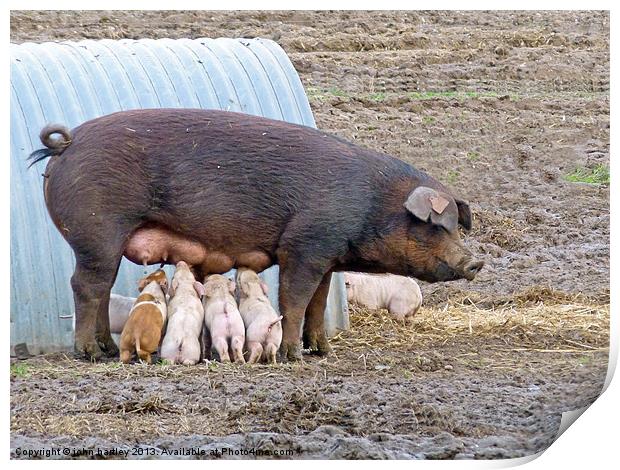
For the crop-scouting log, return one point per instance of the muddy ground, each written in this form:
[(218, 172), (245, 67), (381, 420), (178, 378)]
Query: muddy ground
[(510, 109)]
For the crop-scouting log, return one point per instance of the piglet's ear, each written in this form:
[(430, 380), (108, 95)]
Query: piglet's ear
[(199, 288), (142, 284), (231, 286), (172, 289), (265, 288)]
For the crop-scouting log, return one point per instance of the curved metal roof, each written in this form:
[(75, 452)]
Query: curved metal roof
[(72, 82)]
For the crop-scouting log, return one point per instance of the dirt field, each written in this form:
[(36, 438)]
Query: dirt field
[(511, 110)]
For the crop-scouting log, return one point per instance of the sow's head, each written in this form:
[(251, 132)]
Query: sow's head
[(423, 241)]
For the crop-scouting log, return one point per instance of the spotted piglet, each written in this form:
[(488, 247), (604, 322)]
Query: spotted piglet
[(143, 329), (263, 333), (222, 318)]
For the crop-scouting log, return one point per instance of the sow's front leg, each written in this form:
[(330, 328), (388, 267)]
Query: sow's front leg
[(314, 335), (299, 280)]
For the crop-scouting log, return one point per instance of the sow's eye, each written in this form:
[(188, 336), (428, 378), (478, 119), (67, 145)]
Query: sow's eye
[(440, 230), (419, 229), (426, 230)]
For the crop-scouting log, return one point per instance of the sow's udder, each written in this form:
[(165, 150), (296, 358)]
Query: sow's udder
[(153, 245), (158, 245)]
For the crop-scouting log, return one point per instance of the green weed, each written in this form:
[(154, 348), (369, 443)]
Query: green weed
[(379, 96), (452, 176), (461, 95), (19, 370), (597, 175)]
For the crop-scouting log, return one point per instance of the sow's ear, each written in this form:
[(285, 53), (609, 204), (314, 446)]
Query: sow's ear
[(425, 202), (464, 214)]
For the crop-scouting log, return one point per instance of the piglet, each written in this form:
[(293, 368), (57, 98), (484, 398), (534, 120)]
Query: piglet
[(143, 329), (118, 312), (222, 318), (400, 295), (181, 343), (120, 307), (263, 329)]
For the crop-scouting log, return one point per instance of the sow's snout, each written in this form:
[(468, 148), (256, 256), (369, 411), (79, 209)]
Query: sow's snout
[(467, 268), (470, 268)]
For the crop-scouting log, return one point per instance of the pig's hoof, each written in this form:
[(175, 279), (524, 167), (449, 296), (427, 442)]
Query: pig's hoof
[(89, 349), (317, 343), (323, 347), (108, 346), (289, 352)]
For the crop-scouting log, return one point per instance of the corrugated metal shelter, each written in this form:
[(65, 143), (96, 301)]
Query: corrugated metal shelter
[(72, 82)]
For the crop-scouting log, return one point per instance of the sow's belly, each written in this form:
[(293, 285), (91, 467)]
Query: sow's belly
[(158, 244)]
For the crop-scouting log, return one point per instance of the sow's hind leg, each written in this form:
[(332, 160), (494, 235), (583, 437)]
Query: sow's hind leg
[(102, 329), (300, 277), (97, 260), (314, 336)]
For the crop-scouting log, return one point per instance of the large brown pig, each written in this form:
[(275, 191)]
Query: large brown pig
[(253, 192)]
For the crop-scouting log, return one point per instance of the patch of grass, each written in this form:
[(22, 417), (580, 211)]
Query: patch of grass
[(452, 176), (428, 120), (584, 360), (336, 92), (164, 362), (473, 156), (20, 370), (379, 96), (597, 175), (322, 93), (461, 95), (428, 95), (481, 94)]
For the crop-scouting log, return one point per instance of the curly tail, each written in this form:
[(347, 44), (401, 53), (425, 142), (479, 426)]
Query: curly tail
[(273, 323), (54, 146)]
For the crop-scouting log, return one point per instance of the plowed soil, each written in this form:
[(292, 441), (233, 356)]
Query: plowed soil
[(511, 110)]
